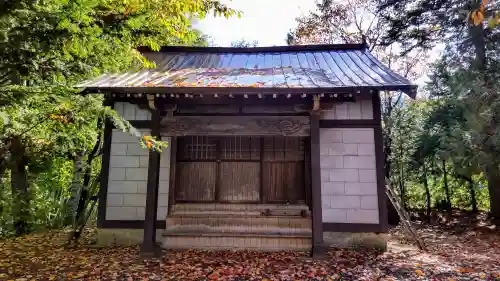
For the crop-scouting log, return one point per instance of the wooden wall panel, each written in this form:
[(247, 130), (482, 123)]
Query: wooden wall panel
[(239, 181), (196, 181), (283, 182)]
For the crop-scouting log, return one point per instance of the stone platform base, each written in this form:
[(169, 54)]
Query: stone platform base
[(123, 236), (258, 227), (356, 240), (228, 241), (128, 237)]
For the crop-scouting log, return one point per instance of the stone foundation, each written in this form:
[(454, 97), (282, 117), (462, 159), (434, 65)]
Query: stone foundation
[(238, 242), (123, 237), (356, 240)]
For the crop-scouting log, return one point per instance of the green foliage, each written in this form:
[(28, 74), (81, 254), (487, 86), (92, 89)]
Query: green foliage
[(415, 142), (461, 126), (72, 40), (242, 43), (46, 47)]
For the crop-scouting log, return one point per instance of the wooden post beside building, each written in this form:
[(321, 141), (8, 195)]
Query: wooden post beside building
[(317, 223), (149, 247)]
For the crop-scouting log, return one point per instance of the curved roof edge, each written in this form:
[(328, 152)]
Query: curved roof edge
[(291, 48)]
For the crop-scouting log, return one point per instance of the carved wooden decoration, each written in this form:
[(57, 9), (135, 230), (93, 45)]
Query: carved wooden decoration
[(235, 125)]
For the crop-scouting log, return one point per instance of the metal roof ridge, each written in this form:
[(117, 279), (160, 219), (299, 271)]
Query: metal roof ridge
[(267, 49)]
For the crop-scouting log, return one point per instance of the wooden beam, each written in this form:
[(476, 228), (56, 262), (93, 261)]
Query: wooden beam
[(131, 224), (317, 226), (353, 227), (239, 99), (106, 160), (349, 123), (379, 163), (173, 173), (140, 124), (149, 247), (236, 125), (262, 198)]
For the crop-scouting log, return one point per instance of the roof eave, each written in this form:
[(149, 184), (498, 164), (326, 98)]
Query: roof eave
[(410, 90), (291, 48)]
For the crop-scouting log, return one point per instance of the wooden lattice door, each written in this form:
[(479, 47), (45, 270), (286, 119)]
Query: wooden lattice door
[(196, 169), (240, 169), (283, 170)]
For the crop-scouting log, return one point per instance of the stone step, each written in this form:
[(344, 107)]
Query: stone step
[(248, 222), (237, 229), (209, 213), (221, 207), (301, 234), (237, 241)]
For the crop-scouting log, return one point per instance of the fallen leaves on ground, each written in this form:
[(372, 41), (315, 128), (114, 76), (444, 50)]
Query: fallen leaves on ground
[(470, 256)]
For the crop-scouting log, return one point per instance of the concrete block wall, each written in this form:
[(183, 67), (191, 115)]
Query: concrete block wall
[(348, 176), (128, 171), (131, 111), (361, 109), (164, 181)]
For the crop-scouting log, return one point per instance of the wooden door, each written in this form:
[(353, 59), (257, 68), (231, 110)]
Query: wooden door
[(196, 169), (283, 170), (240, 169)]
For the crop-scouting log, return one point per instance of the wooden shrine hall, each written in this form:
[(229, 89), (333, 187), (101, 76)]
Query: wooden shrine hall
[(270, 148)]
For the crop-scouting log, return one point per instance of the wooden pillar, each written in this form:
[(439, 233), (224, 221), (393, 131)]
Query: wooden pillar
[(318, 250), (173, 173), (383, 201), (149, 247), (106, 159)]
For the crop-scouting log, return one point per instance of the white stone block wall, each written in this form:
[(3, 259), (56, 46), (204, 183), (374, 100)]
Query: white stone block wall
[(361, 109), (128, 171), (348, 176), (131, 111), (164, 181), (128, 174)]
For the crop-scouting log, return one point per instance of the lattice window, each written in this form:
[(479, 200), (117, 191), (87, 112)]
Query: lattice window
[(240, 148), (283, 149), (197, 148)]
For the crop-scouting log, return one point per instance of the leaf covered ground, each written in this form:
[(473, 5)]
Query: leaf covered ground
[(453, 254)]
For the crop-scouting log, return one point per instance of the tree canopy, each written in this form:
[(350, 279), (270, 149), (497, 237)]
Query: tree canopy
[(48, 46)]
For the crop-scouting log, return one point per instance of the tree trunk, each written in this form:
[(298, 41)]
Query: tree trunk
[(3, 168), (76, 189), (402, 191), (427, 193), (446, 188), (85, 193), (472, 195), (88, 189), (477, 34), (493, 176), (20, 188), (392, 213), (2, 194), (401, 175)]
